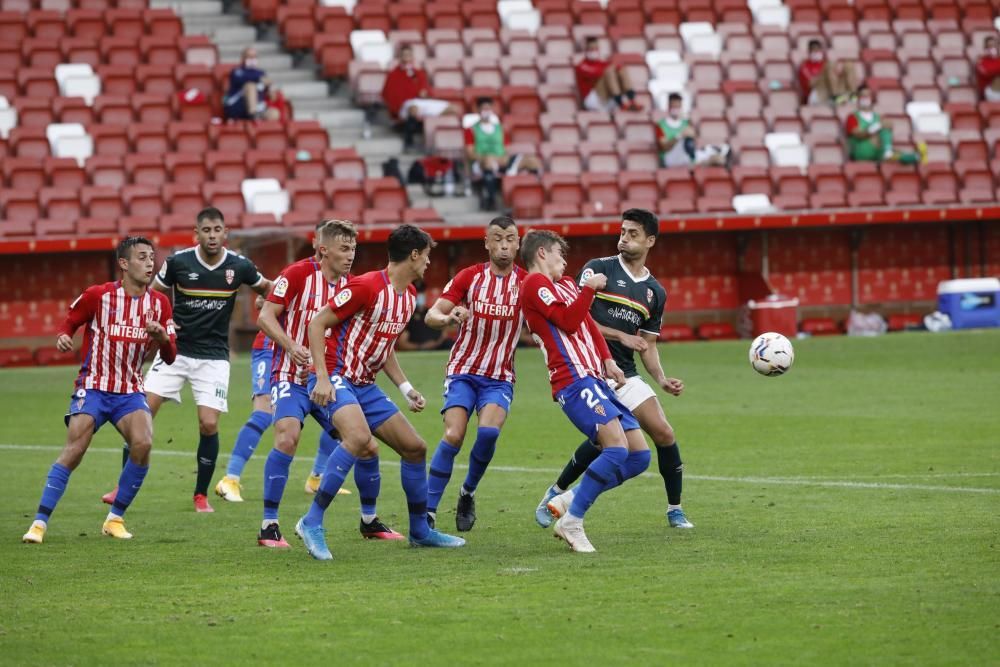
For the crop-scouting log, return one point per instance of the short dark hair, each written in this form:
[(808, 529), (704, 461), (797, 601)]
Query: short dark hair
[(405, 239), (862, 88), (650, 223), (815, 43), (591, 39), (675, 97), (540, 238), (405, 47), (210, 213), (485, 99), (124, 249), (502, 221), (987, 38)]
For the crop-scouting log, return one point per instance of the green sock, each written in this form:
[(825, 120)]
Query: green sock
[(208, 453), (909, 158)]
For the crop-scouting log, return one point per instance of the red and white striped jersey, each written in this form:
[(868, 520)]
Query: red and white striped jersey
[(115, 341), (558, 316), (302, 290), (371, 316), (486, 341), (262, 342)]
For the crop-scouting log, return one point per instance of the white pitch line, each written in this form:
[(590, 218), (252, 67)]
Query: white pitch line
[(780, 481)]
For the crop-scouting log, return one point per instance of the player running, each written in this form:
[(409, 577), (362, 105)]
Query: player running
[(205, 280), (628, 311), (367, 317), (302, 289), (578, 359), (262, 352), (124, 320), (483, 300)]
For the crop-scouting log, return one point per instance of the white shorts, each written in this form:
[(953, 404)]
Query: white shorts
[(426, 107), (991, 95), (634, 392), (209, 380), (593, 102)]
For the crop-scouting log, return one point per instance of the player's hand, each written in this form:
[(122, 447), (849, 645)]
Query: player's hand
[(259, 302), (301, 355), (416, 401), (673, 386), (157, 332), (323, 393), (596, 281), (458, 315), (64, 343), (637, 343), (612, 371)]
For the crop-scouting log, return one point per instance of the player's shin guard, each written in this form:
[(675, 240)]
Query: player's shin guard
[(668, 458), (635, 464), (55, 486), (327, 443), (584, 455), (208, 454), (414, 478), (247, 440), (602, 472), (369, 482), (441, 466), (482, 453), (275, 479), (337, 467), (129, 484)]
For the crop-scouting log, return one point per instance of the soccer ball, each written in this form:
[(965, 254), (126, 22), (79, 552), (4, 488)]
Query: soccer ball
[(771, 354)]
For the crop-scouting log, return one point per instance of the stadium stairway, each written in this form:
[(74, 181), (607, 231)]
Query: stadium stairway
[(312, 98)]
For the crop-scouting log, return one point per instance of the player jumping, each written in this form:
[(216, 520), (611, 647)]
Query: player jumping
[(483, 300), (367, 317), (205, 280), (628, 311), (124, 320), (578, 359)]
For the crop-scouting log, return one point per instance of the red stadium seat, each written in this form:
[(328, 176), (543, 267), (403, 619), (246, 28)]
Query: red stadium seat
[(42, 52), (524, 194), (307, 196), (269, 135), (226, 197), (106, 170), (117, 80), (59, 203), (12, 357), (183, 198), (226, 167), (717, 331), (113, 110), (162, 23), (72, 110), (308, 136), (29, 142), (819, 326), (187, 137), (142, 200), (22, 173), (145, 169), (345, 164), (64, 173), (101, 201), (385, 193), (96, 227), (175, 222), (422, 216), (148, 138), (345, 195), (676, 333), (267, 164)]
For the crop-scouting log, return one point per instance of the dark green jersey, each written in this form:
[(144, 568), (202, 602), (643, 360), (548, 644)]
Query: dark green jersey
[(204, 297), (626, 303)]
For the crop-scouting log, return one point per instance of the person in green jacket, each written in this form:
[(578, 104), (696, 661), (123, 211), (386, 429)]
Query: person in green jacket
[(486, 150), (869, 138)]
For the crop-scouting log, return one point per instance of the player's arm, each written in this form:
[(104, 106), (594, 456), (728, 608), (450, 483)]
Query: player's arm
[(651, 360), (162, 331), (637, 343), (447, 310), (80, 312), (268, 322), (321, 321), (166, 276), (567, 317), (263, 286), (395, 373), (611, 369), (341, 307)]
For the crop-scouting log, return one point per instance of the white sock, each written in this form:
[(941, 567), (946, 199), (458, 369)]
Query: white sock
[(40, 523), (235, 478), (267, 522), (368, 518), (570, 495), (558, 489), (672, 507), (112, 515), (465, 492)]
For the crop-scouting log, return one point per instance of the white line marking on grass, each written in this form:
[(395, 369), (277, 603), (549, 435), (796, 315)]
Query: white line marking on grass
[(781, 481)]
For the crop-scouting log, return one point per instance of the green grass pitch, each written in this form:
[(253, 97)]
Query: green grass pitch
[(846, 513)]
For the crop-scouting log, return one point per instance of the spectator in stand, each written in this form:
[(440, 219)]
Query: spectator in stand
[(810, 69), (823, 81), (486, 151), (603, 86), (247, 97), (869, 139), (417, 335), (405, 94), (988, 71), (676, 139)]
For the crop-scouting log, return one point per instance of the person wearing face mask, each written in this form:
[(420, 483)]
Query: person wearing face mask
[(486, 151), (988, 71), (247, 96), (603, 87), (675, 137), (417, 335), (869, 138), (811, 69), (405, 94)]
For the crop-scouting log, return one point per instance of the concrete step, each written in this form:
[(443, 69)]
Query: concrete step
[(289, 75), (474, 219), (230, 52), (209, 25), (190, 8), (321, 104), (275, 61), (448, 206), (237, 33), (305, 90), (335, 119)]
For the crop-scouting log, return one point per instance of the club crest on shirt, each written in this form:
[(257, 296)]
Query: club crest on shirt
[(649, 295), (342, 297), (599, 409), (281, 286), (230, 274)]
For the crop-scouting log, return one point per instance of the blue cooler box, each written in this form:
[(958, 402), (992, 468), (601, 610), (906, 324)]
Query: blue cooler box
[(971, 302)]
